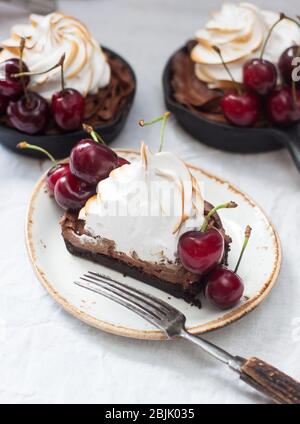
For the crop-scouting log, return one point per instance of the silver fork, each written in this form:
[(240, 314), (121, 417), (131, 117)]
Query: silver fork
[(263, 377)]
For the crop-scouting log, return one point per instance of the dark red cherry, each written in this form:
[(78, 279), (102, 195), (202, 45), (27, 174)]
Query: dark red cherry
[(260, 76), (200, 252), (55, 173), (92, 161), (3, 104), (71, 192), (281, 107), (11, 86), (286, 65), (224, 288), (68, 109), (122, 161), (29, 114), (241, 109)]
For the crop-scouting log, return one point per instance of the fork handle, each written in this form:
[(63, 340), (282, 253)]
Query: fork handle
[(261, 376), (269, 380)]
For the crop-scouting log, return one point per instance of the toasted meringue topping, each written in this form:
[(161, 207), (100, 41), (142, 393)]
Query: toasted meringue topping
[(47, 38), (145, 206), (239, 30)]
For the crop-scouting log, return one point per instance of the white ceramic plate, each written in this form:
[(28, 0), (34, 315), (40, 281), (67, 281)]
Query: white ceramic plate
[(57, 269)]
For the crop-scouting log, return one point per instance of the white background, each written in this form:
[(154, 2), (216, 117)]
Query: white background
[(48, 356)]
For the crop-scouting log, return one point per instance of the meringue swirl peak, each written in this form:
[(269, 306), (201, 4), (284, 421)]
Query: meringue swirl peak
[(47, 39)]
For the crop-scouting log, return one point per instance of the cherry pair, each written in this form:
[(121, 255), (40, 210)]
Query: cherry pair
[(28, 111), (69, 191), (90, 162), (282, 104), (201, 252), (73, 183)]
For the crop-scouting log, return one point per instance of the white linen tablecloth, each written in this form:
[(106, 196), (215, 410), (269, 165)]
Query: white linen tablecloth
[(47, 356)]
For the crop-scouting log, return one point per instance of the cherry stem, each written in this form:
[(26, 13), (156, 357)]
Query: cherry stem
[(218, 51), (24, 74), (25, 145), (246, 240), (162, 118), (62, 75), (228, 205), (22, 47), (281, 17), (95, 136)]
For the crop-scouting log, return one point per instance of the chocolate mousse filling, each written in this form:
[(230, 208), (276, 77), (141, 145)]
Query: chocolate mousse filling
[(168, 276), (192, 93), (103, 107)]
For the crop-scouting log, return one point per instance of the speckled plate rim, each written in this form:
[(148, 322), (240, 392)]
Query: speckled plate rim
[(223, 321)]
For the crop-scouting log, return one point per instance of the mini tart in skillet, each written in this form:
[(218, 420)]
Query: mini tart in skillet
[(103, 78), (196, 77)]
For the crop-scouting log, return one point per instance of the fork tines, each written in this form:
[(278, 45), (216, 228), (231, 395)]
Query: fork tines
[(147, 306)]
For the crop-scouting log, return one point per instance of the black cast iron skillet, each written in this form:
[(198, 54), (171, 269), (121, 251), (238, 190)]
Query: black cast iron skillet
[(228, 137), (59, 145)]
